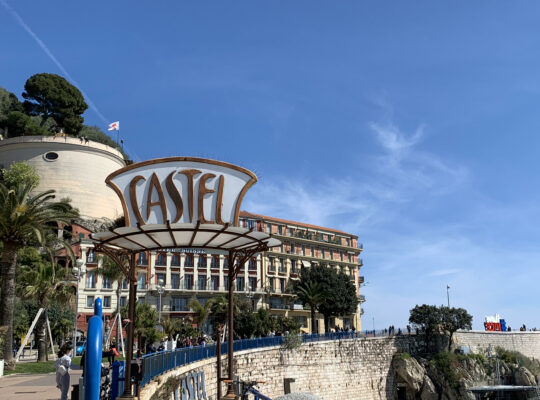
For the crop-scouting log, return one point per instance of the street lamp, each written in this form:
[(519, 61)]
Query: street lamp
[(160, 290), (79, 263)]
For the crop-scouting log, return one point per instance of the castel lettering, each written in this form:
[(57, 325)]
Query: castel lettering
[(181, 190), (155, 190)]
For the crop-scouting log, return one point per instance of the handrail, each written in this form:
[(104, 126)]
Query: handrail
[(155, 364)]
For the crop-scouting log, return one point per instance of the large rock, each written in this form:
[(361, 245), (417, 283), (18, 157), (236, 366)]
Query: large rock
[(523, 377), (429, 392), (410, 372)]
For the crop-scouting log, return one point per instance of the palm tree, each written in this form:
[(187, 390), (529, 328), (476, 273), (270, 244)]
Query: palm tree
[(170, 327), (201, 311), (113, 273), (311, 294), (43, 282), (23, 217)]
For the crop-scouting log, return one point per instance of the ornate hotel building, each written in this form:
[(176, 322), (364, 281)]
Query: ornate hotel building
[(181, 274), (78, 170)]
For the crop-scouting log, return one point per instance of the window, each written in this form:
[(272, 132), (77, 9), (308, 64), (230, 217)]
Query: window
[(271, 264), (226, 263), (161, 259), (282, 265), (124, 284), (252, 264), (272, 285), (90, 301), (302, 321), (268, 228), (141, 299), (106, 283), (188, 279), (141, 281), (179, 304), (189, 261), (123, 301), (252, 284), (280, 229), (251, 223), (240, 283), (292, 248), (161, 278), (214, 263), (214, 282), (331, 254), (275, 302), (175, 281), (202, 282), (175, 260), (106, 301), (226, 282), (282, 285), (91, 258), (90, 279), (303, 249), (293, 267), (290, 231), (202, 262), (142, 259)]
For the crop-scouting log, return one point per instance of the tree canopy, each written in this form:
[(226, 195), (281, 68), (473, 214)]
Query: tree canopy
[(20, 172), (335, 287), (51, 96), (433, 320)]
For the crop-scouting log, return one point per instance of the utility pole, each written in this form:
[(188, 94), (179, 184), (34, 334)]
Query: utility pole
[(448, 295)]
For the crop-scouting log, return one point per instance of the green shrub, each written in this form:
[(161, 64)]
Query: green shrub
[(448, 365)]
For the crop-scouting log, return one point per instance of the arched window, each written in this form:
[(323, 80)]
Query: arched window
[(175, 260), (161, 259)]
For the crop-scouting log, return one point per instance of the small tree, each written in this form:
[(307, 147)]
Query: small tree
[(310, 294), (201, 311), (51, 96), (454, 319), (435, 320), (334, 285)]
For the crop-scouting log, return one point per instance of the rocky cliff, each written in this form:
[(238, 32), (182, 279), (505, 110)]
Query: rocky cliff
[(449, 376)]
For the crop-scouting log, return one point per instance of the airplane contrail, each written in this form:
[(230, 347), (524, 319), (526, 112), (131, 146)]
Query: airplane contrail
[(52, 57)]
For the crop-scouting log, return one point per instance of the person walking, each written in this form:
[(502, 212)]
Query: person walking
[(62, 365)]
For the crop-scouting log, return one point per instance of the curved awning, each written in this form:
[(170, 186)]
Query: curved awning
[(204, 236)]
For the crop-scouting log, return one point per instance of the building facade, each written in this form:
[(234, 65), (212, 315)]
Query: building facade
[(168, 279)]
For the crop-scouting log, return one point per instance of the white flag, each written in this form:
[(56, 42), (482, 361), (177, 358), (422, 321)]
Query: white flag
[(115, 126)]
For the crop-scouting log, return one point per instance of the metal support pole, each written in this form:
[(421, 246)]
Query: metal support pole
[(218, 356), (230, 327), (131, 325), (448, 295)]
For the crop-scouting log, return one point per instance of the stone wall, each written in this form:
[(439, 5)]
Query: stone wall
[(347, 369), (527, 343)]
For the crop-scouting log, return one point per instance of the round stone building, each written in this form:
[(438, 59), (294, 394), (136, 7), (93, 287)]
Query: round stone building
[(72, 168)]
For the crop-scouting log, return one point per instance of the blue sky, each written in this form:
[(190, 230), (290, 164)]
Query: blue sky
[(414, 125)]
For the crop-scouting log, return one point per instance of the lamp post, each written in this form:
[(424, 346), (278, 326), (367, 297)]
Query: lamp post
[(77, 271), (448, 295), (160, 290)]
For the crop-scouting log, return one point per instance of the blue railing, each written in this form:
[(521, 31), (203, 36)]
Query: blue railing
[(156, 364)]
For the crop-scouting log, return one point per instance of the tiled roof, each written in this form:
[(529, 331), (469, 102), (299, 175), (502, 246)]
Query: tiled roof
[(247, 214)]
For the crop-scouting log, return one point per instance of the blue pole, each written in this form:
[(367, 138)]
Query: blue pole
[(94, 344)]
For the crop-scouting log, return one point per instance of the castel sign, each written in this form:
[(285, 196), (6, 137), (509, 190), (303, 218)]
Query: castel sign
[(181, 190)]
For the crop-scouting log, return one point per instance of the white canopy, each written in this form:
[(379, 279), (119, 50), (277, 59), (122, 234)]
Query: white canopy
[(204, 236)]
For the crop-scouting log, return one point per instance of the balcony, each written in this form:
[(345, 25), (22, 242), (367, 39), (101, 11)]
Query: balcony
[(360, 279), (362, 298), (360, 262), (361, 311)]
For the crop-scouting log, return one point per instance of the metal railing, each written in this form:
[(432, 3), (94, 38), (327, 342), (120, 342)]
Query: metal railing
[(156, 364)]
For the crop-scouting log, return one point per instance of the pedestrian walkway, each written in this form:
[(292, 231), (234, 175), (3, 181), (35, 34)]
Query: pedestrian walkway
[(33, 386)]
